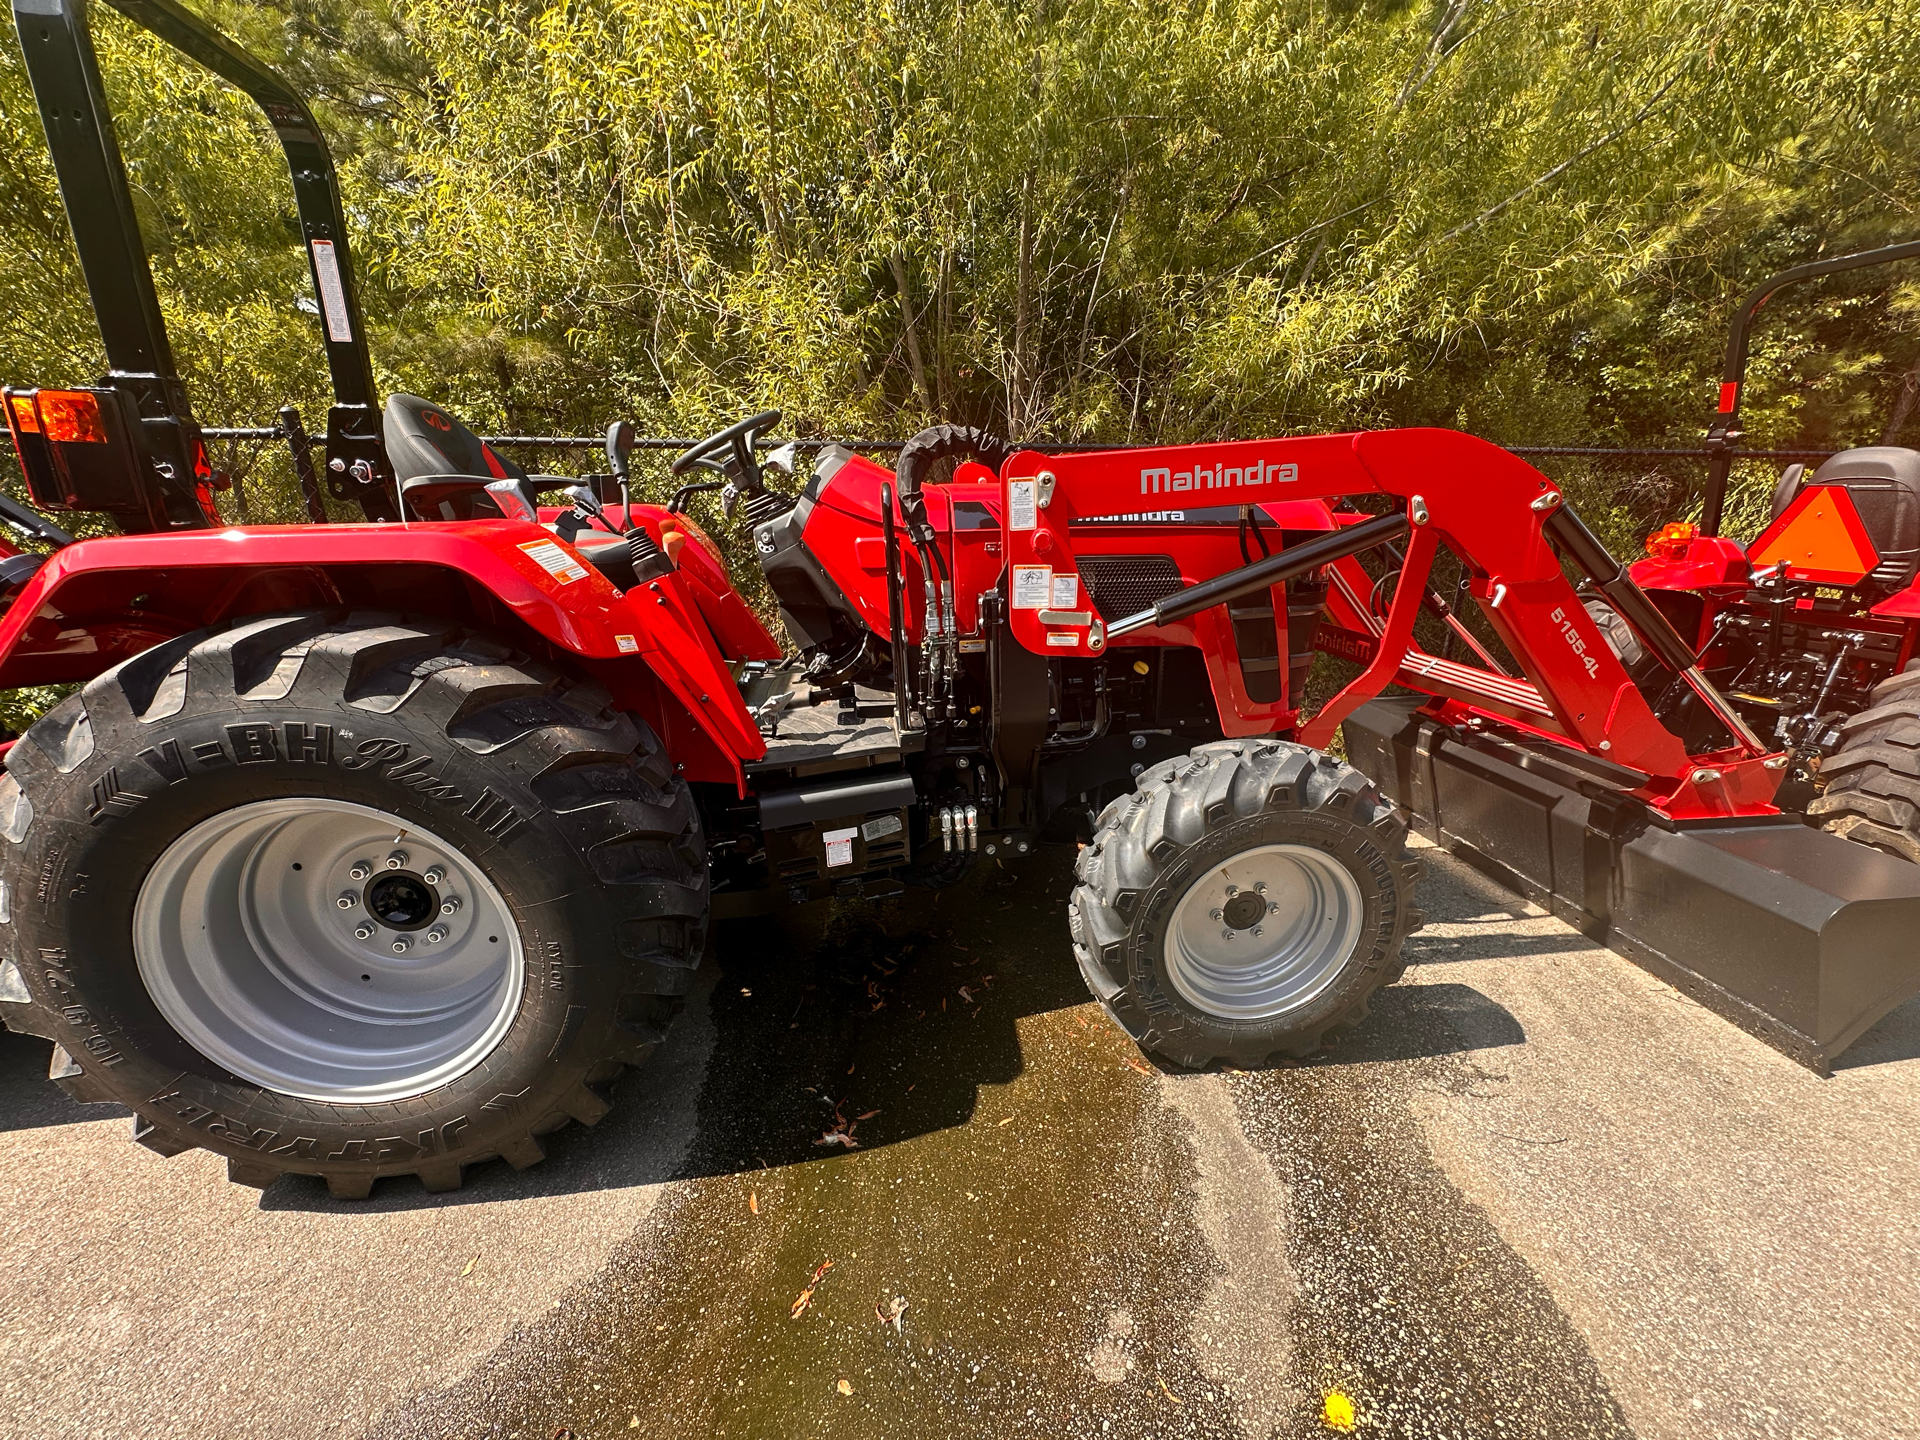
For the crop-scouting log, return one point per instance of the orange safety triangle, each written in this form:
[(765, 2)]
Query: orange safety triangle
[(1820, 537)]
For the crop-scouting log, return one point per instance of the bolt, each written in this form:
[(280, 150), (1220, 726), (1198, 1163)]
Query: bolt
[(401, 945), (1227, 934), (1215, 914), (1024, 847), (1139, 742), (1259, 929), (989, 849), (1260, 887), (397, 860), (449, 905), (363, 931), (1233, 889), (436, 935), (348, 901), (434, 876), (361, 870), (1272, 908)]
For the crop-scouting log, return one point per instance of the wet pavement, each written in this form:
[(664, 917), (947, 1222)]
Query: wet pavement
[(895, 1176)]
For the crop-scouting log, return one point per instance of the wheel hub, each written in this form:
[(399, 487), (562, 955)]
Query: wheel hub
[(401, 900), (291, 942)]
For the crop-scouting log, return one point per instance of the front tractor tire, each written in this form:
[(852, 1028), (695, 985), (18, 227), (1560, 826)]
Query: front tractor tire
[(1242, 902), (346, 895)]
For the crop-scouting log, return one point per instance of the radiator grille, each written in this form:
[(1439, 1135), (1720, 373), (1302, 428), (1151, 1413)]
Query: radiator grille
[(1122, 585)]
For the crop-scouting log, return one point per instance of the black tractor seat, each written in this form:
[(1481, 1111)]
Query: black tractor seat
[(433, 454), (1883, 481)]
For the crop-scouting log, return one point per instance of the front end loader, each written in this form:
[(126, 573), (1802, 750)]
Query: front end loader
[(385, 849)]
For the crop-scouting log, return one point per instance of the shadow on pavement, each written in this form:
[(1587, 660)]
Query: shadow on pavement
[(903, 1007), (27, 1098), (1895, 1036)]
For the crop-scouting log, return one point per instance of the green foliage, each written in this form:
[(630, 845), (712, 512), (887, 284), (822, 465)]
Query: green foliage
[(1076, 219)]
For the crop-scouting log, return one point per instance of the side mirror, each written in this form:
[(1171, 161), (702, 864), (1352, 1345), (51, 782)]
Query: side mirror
[(619, 447)]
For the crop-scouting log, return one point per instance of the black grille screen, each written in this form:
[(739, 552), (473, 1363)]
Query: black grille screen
[(1122, 585)]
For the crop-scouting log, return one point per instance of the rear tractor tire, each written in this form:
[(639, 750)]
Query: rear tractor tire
[(1872, 782), (346, 895), (1242, 902)]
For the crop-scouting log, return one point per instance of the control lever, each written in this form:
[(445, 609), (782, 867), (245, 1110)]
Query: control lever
[(512, 499)]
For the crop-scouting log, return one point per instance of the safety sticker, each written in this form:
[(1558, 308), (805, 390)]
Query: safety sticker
[(1021, 512), (333, 295), (885, 825), (1064, 638), (626, 644), (839, 847), (973, 647), (1066, 592), (556, 562), (1031, 586)]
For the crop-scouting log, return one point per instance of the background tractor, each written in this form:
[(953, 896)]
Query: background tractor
[(386, 848)]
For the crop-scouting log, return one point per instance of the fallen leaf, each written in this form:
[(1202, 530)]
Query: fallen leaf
[(868, 1116), (745, 991), (1168, 1393), (892, 1313), (838, 1137), (806, 1295), (753, 1201), (966, 994), (850, 1067), (633, 1422), (844, 1388), (470, 1264), (1337, 1411), (1134, 1062), (1007, 1121)]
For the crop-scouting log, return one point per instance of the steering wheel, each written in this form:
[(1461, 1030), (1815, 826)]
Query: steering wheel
[(739, 466)]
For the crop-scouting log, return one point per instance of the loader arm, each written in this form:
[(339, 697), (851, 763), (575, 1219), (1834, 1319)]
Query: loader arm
[(1505, 520)]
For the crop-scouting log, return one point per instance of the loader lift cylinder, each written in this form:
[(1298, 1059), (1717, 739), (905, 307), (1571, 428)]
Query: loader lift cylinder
[(1289, 564)]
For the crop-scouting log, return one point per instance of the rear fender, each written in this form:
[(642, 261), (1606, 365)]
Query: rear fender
[(99, 602)]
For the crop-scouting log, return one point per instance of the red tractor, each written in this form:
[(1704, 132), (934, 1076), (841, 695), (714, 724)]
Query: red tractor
[(385, 848)]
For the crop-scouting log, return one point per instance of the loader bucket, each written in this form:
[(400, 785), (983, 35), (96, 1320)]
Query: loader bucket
[(1797, 936)]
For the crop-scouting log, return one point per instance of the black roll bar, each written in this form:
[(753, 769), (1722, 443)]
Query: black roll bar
[(57, 44), (1724, 433)]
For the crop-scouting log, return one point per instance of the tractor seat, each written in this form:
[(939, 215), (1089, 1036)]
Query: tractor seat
[(1883, 481), (430, 449)]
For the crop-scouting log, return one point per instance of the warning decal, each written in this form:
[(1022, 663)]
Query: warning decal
[(548, 555), (333, 295), (1031, 586)]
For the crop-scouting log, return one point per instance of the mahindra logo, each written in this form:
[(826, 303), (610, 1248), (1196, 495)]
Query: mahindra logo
[(1216, 477)]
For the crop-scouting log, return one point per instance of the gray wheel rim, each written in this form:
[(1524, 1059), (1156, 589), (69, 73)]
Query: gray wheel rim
[(271, 953), (1264, 932)]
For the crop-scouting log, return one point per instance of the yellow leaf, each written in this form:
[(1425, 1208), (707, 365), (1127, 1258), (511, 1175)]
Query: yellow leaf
[(844, 1388), (1337, 1411), (753, 1201), (470, 1264), (1168, 1393)]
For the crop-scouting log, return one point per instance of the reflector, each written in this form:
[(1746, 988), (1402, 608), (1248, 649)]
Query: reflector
[(70, 416), (20, 414), (1820, 537), (1671, 540)]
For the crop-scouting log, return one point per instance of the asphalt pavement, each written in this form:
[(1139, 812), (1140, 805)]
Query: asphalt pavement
[(894, 1175)]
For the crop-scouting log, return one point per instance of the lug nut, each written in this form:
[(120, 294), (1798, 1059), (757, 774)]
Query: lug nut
[(1233, 889), (1226, 934), (401, 945), (1260, 888), (1272, 908), (361, 870), (449, 905), (436, 935), (434, 875), (1259, 929), (348, 901), (397, 860), (363, 931), (1215, 914)]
